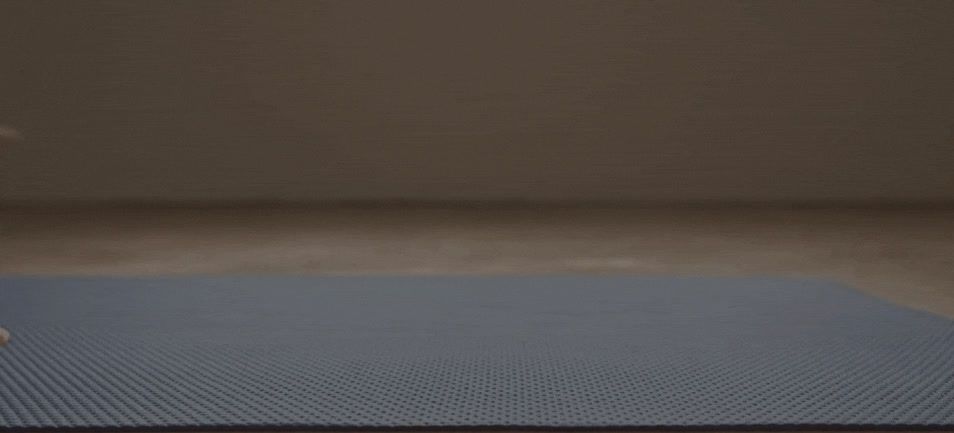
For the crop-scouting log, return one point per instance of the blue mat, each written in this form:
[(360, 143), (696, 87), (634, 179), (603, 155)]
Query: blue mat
[(467, 353)]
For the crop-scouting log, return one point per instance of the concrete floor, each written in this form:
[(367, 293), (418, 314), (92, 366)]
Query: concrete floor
[(904, 255)]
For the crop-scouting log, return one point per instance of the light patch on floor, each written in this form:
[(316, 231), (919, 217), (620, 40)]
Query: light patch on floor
[(906, 256)]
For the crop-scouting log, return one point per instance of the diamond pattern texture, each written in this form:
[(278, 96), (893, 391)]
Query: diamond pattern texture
[(565, 352)]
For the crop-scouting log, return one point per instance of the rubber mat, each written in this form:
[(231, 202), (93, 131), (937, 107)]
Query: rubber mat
[(446, 353)]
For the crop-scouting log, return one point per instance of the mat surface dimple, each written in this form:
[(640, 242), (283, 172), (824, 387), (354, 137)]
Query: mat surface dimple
[(467, 352)]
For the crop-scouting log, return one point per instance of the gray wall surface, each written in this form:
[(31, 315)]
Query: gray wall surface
[(436, 100)]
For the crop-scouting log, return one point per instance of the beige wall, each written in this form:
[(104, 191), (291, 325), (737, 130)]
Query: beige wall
[(555, 100)]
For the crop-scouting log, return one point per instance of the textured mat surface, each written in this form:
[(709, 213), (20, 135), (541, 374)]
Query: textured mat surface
[(467, 352)]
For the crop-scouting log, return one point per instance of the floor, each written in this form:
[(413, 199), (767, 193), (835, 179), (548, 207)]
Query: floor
[(904, 255)]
